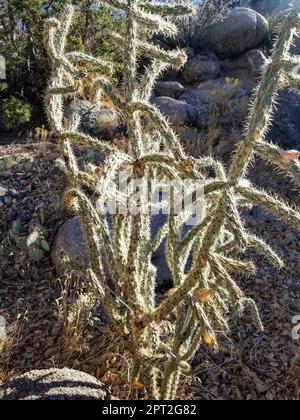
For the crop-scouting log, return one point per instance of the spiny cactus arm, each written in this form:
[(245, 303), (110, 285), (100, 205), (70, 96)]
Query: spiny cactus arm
[(68, 87), (148, 281), (234, 219), (81, 58), (170, 382), (175, 59), (226, 245), (258, 124), (293, 83), (225, 280), (53, 49), (65, 21), (290, 65), (250, 305), (106, 186), (214, 186), (186, 168), (130, 284), (193, 344), (62, 69), (121, 224), (155, 23), (174, 298), (112, 258), (194, 232), (152, 73), (161, 122), (157, 158), (81, 139), (272, 205), (157, 241), (95, 283), (117, 4), (210, 163), (156, 8), (87, 211), (154, 383), (104, 86), (257, 243), (54, 111), (86, 179), (234, 265), (201, 315), (188, 239), (286, 160), (81, 203), (50, 30), (262, 247), (172, 245), (96, 270), (172, 369), (71, 163), (262, 107)]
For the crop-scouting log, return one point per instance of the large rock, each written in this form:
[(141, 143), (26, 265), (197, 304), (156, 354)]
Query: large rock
[(69, 247), (248, 65), (243, 29), (223, 101), (54, 384), (171, 89), (100, 122), (179, 113), (201, 67)]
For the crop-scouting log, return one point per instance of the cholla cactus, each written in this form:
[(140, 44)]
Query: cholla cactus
[(163, 338)]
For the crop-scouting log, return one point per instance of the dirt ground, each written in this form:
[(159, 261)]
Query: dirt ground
[(248, 365)]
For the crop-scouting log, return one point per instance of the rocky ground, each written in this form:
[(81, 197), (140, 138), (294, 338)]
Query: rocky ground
[(207, 104)]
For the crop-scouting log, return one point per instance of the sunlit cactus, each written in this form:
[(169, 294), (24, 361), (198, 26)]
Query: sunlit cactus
[(120, 253)]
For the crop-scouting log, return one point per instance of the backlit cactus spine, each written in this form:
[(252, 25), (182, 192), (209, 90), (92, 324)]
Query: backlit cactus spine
[(121, 270)]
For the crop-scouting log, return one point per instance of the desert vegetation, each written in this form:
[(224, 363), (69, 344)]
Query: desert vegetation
[(137, 297)]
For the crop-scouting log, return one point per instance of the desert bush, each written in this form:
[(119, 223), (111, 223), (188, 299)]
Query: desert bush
[(163, 335), (207, 12), (15, 112), (21, 31)]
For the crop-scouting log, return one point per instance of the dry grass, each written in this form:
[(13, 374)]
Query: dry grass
[(7, 346)]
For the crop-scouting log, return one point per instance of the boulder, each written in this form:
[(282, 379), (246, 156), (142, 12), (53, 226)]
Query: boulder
[(200, 68), (248, 65), (221, 101), (179, 113), (54, 384), (171, 89), (243, 29), (69, 246), (95, 120)]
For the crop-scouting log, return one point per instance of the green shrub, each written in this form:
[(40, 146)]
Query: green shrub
[(21, 29), (15, 112)]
